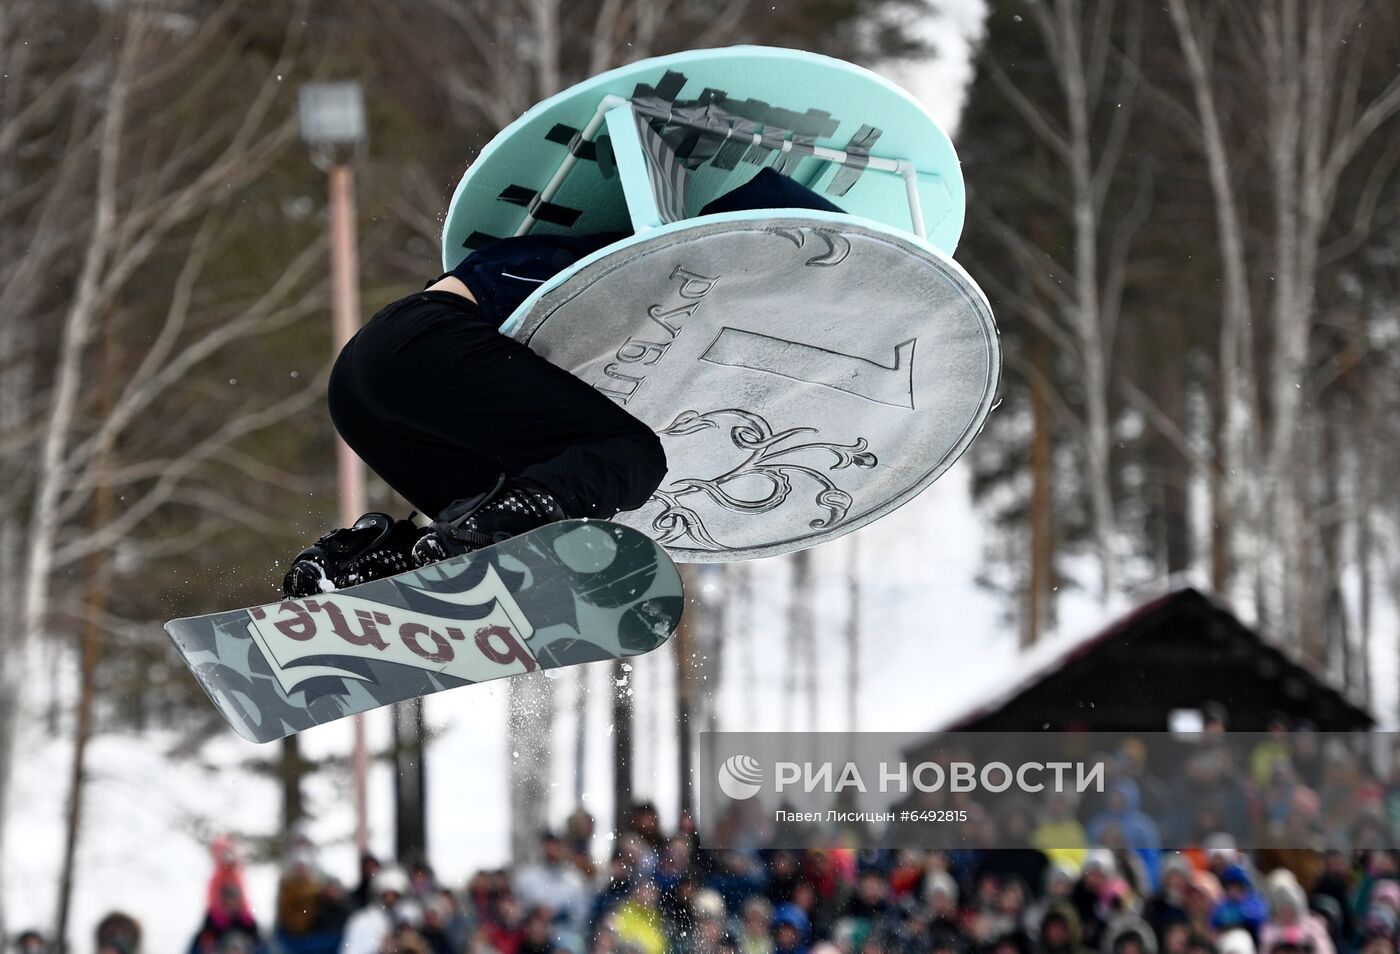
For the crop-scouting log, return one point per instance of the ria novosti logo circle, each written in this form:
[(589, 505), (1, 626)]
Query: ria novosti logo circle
[(740, 776)]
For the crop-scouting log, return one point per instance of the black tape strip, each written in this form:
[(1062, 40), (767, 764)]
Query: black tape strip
[(555, 214), (479, 240), (573, 138), (757, 155), (858, 152), (671, 85), (817, 123), (542, 211), (518, 195), (729, 154), (801, 148)]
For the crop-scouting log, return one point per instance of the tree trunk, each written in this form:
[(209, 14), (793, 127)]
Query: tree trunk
[(291, 769), (800, 638), (530, 716), (622, 743), (52, 471), (853, 624), (1040, 586), (97, 573), (1094, 350), (580, 732), (410, 782), (684, 644), (1233, 480)]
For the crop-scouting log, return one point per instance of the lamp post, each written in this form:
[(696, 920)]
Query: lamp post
[(332, 118)]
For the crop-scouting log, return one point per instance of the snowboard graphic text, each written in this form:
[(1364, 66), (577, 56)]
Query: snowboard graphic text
[(568, 593), (305, 637)]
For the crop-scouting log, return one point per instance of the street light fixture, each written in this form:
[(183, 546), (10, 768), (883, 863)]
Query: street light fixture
[(332, 119)]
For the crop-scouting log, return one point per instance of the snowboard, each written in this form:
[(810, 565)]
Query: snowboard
[(572, 592)]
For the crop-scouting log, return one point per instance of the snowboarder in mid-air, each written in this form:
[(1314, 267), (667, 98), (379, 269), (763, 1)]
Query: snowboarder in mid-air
[(475, 429)]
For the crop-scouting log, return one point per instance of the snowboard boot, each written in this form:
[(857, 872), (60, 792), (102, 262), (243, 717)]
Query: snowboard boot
[(375, 547), (506, 510)]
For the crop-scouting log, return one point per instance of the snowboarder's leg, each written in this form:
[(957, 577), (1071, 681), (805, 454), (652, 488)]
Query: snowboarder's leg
[(440, 404)]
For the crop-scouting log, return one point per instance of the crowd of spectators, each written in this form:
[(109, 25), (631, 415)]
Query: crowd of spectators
[(1071, 878)]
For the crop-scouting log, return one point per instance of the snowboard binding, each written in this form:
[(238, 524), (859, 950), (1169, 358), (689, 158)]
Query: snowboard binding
[(507, 510), (375, 547)]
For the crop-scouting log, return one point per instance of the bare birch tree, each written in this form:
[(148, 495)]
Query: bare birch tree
[(1077, 302), (126, 207), (1314, 121)]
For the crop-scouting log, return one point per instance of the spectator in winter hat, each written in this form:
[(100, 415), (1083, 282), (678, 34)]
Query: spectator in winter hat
[(907, 874), (1378, 936), (819, 913), (1133, 940), (756, 934), (1337, 882), (707, 904), (1271, 752), (783, 876), (1236, 941), (1290, 922), (1128, 933), (1377, 866), (504, 930), (790, 929), (638, 921), (1326, 909), (369, 867), (1004, 913), (118, 933), (1011, 853), (646, 822), (298, 897), (1242, 906), (1059, 884), (554, 881), (333, 909), (1139, 832), (1059, 931), (1059, 835), (1203, 893), (1099, 868), (1175, 938), (227, 916), (30, 942), (871, 898), (735, 879), (578, 842), (438, 928), (1221, 851), (1385, 893), (1168, 905), (1298, 840), (941, 891), (536, 934), (368, 927), (708, 934)]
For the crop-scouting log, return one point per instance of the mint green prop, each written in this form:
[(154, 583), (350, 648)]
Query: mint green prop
[(807, 372), (574, 163)]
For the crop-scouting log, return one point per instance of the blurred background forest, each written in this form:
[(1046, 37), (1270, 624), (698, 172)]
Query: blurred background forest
[(1185, 214)]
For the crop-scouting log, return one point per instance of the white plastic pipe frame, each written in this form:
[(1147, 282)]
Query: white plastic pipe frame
[(900, 167)]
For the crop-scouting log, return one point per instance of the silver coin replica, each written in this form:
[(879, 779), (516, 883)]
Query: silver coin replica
[(806, 376)]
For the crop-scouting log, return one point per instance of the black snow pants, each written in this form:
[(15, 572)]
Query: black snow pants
[(439, 403)]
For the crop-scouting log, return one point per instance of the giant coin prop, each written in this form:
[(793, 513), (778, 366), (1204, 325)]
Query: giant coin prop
[(807, 372)]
